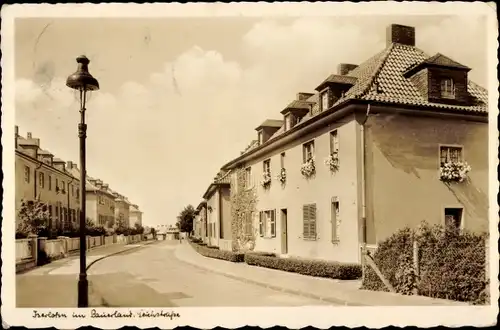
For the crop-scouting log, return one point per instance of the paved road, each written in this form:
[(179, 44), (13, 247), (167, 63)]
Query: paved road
[(152, 276)]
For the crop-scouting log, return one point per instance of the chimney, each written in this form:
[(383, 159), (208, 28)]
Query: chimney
[(70, 165), (29, 136), (344, 68), (400, 34), (303, 96)]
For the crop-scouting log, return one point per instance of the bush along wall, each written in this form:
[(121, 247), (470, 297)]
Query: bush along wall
[(216, 253), (318, 268), (450, 264)]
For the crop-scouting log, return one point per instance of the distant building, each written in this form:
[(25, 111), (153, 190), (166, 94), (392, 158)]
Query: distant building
[(135, 215), (39, 175)]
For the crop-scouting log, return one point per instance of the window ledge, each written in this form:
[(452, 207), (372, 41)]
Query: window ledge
[(310, 239)]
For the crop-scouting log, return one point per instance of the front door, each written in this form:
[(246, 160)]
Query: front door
[(284, 235)]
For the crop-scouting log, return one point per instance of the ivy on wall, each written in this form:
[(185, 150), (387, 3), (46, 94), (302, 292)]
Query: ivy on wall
[(243, 204)]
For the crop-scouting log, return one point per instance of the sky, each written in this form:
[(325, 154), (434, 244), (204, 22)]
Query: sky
[(180, 97)]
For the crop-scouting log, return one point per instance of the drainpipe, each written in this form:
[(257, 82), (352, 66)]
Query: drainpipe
[(36, 180), (363, 182)]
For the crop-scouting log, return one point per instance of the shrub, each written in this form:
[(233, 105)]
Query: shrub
[(218, 254), (318, 268), (451, 264)]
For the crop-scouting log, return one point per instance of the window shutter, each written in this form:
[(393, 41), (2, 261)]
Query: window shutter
[(312, 220), (273, 223), (305, 215), (261, 224)]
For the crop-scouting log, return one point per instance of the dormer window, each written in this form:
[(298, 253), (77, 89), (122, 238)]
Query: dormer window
[(447, 88), (324, 100)]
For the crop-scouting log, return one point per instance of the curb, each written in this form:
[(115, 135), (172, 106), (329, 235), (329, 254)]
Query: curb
[(115, 253), (270, 286)]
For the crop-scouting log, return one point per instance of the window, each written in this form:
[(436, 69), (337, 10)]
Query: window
[(335, 219), (27, 174), (334, 143), (308, 151), (324, 101), (50, 182), (260, 137), (63, 186), (453, 218), (282, 160), (248, 177), (267, 223), (267, 166), (309, 221), (57, 184), (78, 192), (41, 179), (447, 88), (450, 154)]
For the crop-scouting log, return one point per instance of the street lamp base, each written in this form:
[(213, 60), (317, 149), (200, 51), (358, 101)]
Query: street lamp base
[(83, 291)]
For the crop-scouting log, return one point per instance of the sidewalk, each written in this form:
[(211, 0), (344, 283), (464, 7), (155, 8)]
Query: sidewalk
[(55, 284), (335, 291)]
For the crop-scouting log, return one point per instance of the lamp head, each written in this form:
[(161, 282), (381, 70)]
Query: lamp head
[(82, 80)]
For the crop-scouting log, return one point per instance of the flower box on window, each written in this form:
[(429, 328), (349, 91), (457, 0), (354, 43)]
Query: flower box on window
[(266, 180), (454, 171), (282, 176), (332, 161), (308, 169)]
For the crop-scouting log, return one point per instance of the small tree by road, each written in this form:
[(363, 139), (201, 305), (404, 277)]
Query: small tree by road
[(34, 218), (185, 219)]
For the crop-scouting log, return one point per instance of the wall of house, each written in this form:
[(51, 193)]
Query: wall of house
[(403, 173), (319, 190), (225, 197), (203, 220), (135, 217), (91, 206), (121, 210), (213, 218), (61, 203), (106, 209)]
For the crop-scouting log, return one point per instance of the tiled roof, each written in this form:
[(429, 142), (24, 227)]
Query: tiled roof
[(335, 78), (272, 123), (58, 160), (441, 60), (44, 152), (387, 84), (300, 104), (381, 78)]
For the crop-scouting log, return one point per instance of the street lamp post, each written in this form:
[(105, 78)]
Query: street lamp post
[(83, 82)]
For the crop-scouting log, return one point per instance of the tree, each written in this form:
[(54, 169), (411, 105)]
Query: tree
[(34, 218), (139, 229), (185, 219)]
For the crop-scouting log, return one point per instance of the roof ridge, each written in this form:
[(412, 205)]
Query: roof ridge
[(374, 77)]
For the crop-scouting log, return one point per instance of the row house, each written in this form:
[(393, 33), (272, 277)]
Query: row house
[(122, 210), (135, 216), (216, 212), (41, 176), (400, 138), (200, 224)]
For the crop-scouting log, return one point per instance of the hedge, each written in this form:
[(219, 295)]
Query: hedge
[(318, 268), (451, 264), (218, 254)]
